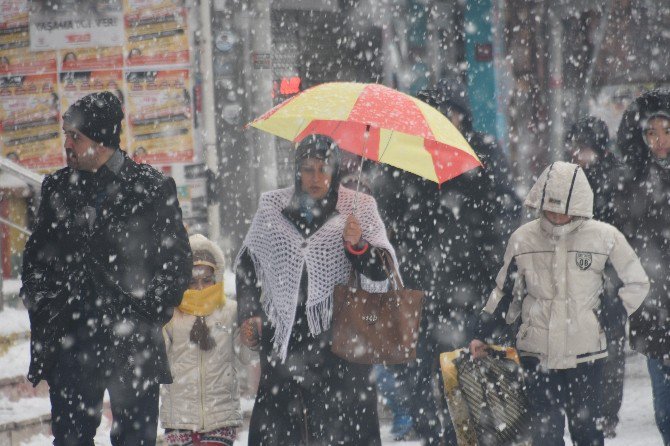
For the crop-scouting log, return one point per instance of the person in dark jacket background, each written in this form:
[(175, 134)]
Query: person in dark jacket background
[(449, 241), (587, 145), (644, 142), (303, 241), (106, 264)]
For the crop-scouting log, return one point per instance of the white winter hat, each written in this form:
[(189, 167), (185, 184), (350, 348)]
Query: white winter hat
[(562, 188), (205, 252)]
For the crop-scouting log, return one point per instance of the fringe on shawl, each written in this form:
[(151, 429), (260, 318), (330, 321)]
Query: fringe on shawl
[(282, 331), (319, 315)]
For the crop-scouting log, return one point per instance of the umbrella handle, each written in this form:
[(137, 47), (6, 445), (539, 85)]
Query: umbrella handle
[(360, 167)]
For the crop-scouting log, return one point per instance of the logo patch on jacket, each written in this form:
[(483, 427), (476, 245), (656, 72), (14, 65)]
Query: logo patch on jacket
[(583, 260)]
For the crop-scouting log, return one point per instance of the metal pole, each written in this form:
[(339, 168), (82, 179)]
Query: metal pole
[(555, 84), (2, 273), (598, 38), (27, 175), (261, 93), (208, 113), (15, 226)]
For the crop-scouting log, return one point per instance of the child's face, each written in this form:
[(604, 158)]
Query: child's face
[(557, 219), (657, 136), (203, 277)]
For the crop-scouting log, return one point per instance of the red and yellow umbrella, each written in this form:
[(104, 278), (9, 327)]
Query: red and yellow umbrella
[(378, 123)]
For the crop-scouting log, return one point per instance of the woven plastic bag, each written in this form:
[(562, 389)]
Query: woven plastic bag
[(486, 397)]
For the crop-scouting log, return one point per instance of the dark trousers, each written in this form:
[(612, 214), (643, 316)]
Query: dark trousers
[(660, 386), (553, 394), (613, 375), (313, 398), (76, 388), (613, 319), (437, 334)]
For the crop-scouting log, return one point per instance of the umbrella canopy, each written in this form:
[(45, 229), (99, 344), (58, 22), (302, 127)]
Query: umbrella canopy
[(378, 123)]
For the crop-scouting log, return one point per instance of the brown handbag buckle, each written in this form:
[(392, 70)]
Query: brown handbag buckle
[(371, 318)]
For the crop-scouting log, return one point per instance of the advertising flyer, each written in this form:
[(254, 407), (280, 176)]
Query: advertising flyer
[(58, 24), (29, 121), (96, 58), (21, 61), (15, 55), (14, 24), (160, 116), (156, 36), (75, 85)]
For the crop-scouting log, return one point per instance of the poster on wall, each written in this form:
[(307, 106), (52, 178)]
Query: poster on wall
[(59, 24), (30, 122), (14, 24), (15, 55), (156, 35), (96, 58), (160, 116), (75, 85), (21, 61)]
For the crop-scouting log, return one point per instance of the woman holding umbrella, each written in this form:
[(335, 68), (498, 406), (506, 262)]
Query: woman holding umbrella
[(302, 242)]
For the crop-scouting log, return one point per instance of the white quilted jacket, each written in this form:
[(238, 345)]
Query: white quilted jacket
[(555, 273), (204, 395)]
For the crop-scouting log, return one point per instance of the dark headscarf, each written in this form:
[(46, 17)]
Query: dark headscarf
[(303, 211)]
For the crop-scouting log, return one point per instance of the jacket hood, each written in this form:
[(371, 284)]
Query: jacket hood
[(562, 188), (201, 244), (634, 152)]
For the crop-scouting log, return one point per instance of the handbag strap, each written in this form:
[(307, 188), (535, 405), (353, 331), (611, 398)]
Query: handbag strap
[(391, 273)]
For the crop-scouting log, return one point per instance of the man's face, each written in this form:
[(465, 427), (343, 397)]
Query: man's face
[(657, 136), (315, 177), (81, 151), (557, 219), (583, 155)]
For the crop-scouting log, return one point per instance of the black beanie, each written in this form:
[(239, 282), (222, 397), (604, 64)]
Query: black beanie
[(98, 116), (591, 132)]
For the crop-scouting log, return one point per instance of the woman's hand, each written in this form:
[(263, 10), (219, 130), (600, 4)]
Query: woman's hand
[(250, 332), (478, 349), (352, 231)]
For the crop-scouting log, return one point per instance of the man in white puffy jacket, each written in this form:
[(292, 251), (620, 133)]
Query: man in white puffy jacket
[(553, 278)]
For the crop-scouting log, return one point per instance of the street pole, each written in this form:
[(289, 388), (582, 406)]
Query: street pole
[(208, 115), (555, 84), (2, 272), (263, 144)]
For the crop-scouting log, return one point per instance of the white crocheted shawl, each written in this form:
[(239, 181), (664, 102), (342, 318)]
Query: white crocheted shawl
[(280, 252)]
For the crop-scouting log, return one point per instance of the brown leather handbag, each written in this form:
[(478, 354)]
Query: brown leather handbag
[(376, 328)]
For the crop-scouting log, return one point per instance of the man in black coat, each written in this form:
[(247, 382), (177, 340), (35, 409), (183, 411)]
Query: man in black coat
[(106, 264)]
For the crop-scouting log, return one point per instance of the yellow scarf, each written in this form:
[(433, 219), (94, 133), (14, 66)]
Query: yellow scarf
[(203, 302)]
